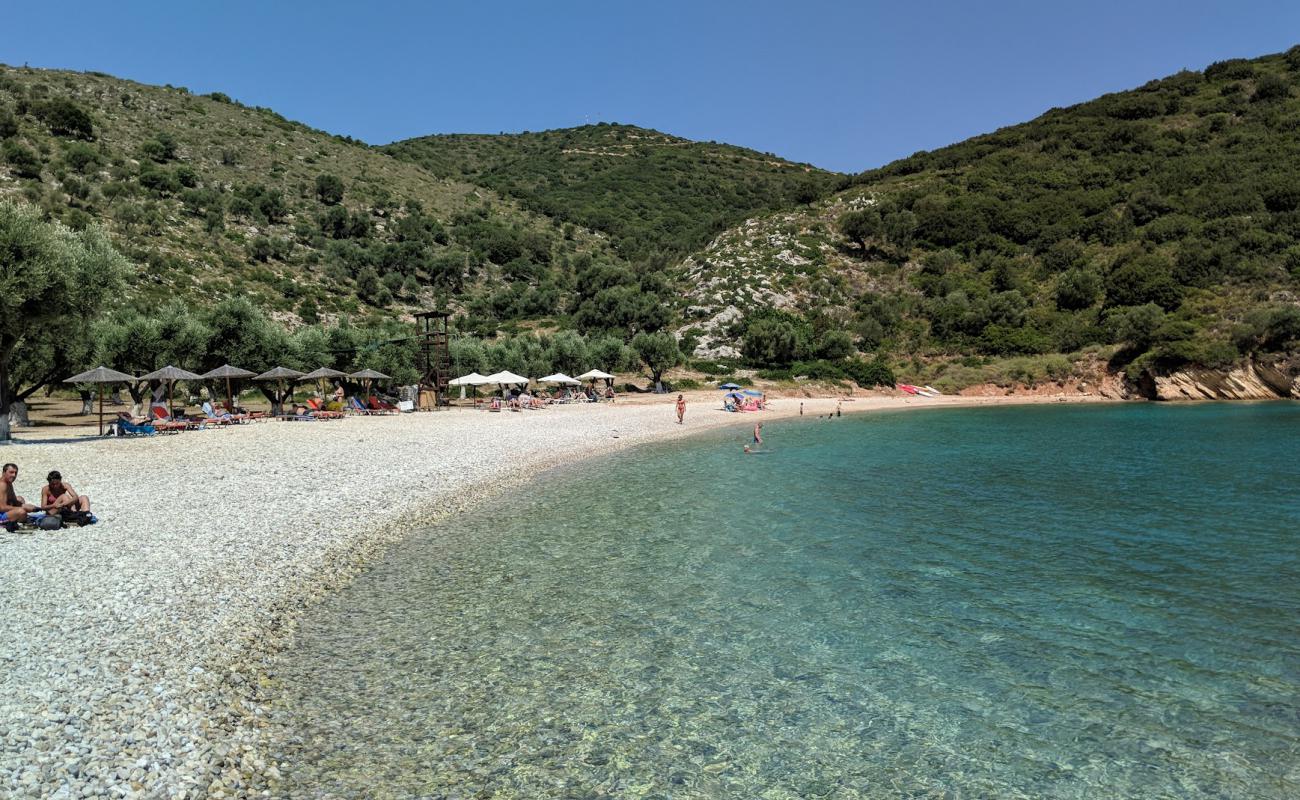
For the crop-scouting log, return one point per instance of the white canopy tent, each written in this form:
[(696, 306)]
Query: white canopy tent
[(595, 374), (559, 377)]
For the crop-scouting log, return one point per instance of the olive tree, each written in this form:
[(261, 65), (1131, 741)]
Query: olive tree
[(53, 283), (659, 352)]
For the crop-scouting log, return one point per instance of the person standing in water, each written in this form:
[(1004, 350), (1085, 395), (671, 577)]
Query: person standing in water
[(681, 408), (758, 435)]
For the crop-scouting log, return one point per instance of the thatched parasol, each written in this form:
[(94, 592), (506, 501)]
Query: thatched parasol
[(323, 374), (170, 374), (370, 376), (101, 375), (280, 375), (229, 373)]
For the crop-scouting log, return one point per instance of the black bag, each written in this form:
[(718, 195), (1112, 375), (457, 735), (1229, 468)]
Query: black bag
[(71, 517), (50, 522)]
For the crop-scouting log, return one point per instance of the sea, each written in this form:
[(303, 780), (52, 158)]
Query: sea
[(1097, 601)]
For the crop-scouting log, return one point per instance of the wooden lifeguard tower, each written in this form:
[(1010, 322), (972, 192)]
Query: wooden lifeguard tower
[(435, 356)]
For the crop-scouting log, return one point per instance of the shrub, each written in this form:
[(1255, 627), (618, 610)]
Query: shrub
[(1270, 87), (80, 157), (870, 373), (24, 162), (739, 381), (859, 226), (161, 148), (8, 124), (1233, 69), (329, 189), (64, 118)]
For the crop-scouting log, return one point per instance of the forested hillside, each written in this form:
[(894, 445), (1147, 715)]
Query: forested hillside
[(1159, 225), (655, 195), (212, 199)]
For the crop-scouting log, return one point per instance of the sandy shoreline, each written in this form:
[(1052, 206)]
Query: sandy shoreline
[(131, 651)]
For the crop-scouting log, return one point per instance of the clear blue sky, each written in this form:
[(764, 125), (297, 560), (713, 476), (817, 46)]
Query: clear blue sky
[(843, 85)]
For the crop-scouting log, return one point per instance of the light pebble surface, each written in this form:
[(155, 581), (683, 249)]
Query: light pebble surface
[(131, 651)]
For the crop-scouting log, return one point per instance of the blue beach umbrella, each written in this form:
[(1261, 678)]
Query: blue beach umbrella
[(728, 386), (753, 393)]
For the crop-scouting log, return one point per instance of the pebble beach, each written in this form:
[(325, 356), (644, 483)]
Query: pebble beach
[(131, 651)]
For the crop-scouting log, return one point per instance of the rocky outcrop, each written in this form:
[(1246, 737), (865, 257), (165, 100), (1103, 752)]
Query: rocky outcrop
[(1249, 381)]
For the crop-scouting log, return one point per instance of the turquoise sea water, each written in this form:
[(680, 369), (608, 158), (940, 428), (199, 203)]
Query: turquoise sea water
[(1072, 602)]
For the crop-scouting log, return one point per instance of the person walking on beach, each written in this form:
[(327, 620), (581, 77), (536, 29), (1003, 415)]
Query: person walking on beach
[(13, 508), (681, 408), (758, 435), (801, 408)]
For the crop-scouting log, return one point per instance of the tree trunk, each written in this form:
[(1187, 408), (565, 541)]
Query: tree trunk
[(115, 397), (273, 396), (18, 415), (5, 433), (87, 401), (137, 398)]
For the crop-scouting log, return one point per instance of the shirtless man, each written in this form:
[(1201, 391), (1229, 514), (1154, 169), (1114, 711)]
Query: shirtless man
[(13, 508), (57, 496), (758, 435), (681, 408)]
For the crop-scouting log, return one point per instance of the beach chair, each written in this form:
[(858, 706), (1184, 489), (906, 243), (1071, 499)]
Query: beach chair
[(379, 406), (164, 423), (354, 406), (210, 415), (319, 411), (127, 427)]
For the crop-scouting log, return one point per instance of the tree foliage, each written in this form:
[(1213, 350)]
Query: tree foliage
[(53, 283)]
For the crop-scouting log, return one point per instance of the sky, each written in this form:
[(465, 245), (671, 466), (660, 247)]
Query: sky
[(843, 85)]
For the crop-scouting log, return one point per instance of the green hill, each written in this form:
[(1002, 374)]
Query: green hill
[(214, 199), (1159, 225), (650, 192)]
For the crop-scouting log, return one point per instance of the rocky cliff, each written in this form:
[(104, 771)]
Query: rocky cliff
[(1249, 381)]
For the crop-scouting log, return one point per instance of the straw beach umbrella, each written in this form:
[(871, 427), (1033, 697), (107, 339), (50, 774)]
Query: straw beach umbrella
[(229, 373), (101, 375), (170, 375), (369, 376), (281, 376), (323, 374)]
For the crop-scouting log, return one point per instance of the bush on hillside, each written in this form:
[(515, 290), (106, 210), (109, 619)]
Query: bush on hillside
[(329, 189), (64, 118), (21, 159)]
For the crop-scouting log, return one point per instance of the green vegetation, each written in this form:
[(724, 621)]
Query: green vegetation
[(653, 194), (211, 199), (1160, 223), (55, 282), (1147, 229)]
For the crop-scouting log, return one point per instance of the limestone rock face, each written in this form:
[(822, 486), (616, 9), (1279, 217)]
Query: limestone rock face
[(1247, 382)]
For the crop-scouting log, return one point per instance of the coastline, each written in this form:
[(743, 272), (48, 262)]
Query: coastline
[(135, 650)]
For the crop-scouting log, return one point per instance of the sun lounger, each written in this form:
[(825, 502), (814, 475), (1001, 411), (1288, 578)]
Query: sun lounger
[(355, 406), (126, 427), (320, 412), (379, 406)]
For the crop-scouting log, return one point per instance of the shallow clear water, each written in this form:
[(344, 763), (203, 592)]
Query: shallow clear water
[(1018, 602)]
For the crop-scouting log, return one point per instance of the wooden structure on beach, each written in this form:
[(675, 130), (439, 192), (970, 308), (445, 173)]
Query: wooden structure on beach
[(435, 356)]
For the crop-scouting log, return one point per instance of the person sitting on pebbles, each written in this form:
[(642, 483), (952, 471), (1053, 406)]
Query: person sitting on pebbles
[(60, 498), (13, 508)]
